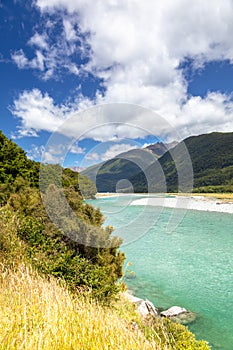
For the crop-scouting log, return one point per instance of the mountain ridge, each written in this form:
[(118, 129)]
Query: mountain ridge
[(212, 162), (114, 174)]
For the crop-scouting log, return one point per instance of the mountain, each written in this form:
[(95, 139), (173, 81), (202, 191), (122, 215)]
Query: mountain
[(160, 148), (78, 169), (113, 175), (211, 157)]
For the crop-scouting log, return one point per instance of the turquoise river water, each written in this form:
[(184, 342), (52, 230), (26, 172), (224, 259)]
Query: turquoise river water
[(191, 266)]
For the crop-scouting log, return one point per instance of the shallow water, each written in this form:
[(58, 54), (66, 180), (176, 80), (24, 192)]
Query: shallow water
[(191, 266)]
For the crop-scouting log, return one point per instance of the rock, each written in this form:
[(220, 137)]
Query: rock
[(132, 298), (179, 314), (142, 308), (185, 318), (151, 308), (145, 307), (173, 311)]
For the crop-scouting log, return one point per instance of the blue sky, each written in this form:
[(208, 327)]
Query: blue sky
[(112, 75)]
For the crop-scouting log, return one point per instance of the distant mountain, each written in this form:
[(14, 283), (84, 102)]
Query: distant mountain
[(160, 148), (212, 162), (114, 174), (77, 169)]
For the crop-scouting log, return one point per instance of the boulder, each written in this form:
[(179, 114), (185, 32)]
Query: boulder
[(185, 318), (179, 314), (146, 307), (173, 311)]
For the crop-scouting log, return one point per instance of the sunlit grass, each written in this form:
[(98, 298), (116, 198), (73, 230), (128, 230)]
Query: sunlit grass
[(39, 314)]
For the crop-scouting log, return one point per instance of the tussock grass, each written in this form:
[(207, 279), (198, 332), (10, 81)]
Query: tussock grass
[(36, 313)]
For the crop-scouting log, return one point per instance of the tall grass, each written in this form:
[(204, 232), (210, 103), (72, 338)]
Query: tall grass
[(36, 313), (39, 312)]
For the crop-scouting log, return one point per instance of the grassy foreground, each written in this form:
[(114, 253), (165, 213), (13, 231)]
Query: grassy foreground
[(40, 313)]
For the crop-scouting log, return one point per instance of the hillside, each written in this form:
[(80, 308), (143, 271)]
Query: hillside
[(57, 292), (212, 161), (77, 248), (114, 174)]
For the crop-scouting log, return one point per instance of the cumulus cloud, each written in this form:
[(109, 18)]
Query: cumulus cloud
[(111, 122), (137, 48), (38, 112)]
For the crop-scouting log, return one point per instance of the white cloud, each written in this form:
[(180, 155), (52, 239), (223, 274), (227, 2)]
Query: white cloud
[(75, 149), (35, 152), (70, 33), (93, 156), (38, 62), (116, 149), (38, 112), (212, 113), (112, 122), (137, 48), (39, 41), (20, 59), (53, 49)]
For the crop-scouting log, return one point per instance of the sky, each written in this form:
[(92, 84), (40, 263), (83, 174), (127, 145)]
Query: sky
[(84, 80)]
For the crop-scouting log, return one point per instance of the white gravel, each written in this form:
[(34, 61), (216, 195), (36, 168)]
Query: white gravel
[(187, 202)]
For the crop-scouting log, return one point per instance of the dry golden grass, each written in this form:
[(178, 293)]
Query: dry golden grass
[(39, 314)]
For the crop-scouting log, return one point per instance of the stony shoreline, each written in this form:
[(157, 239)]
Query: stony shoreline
[(174, 313), (215, 203), (200, 203)]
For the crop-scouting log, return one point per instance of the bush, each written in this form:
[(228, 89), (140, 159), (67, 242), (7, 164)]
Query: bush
[(94, 262)]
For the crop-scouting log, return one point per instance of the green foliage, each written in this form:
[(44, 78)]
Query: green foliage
[(17, 171), (55, 174), (85, 255), (61, 235), (212, 161), (15, 168), (109, 173), (172, 335), (81, 252), (87, 187)]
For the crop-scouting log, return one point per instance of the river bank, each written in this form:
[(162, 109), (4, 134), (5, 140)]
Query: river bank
[(222, 203), (188, 202), (190, 267)]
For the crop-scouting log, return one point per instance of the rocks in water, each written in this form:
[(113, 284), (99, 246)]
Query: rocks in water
[(185, 318), (179, 314), (145, 307), (173, 311)]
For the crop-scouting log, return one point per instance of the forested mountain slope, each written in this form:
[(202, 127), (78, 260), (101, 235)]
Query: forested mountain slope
[(112, 175), (212, 161)]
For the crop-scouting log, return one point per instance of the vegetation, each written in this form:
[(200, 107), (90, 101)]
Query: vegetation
[(108, 174), (37, 313), (59, 285), (17, 171), (212, 161), (77, 249), (40, 313)]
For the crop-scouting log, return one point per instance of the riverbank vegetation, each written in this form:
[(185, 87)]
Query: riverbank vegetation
[(61, 290)]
